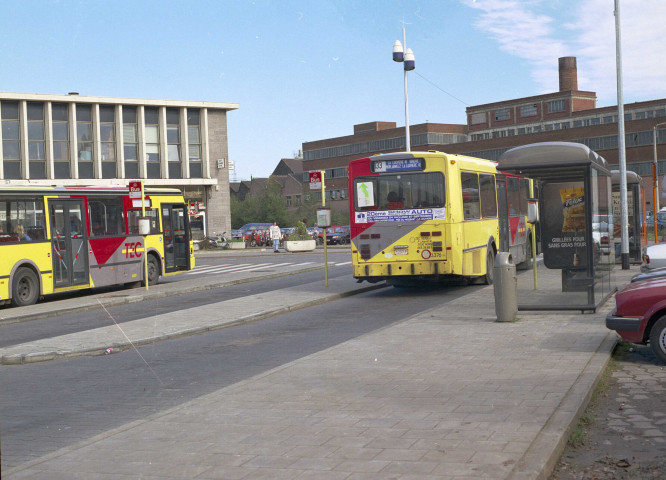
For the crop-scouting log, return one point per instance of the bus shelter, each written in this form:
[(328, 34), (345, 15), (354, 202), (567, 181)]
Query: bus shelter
[(635, 209), (573, 185)]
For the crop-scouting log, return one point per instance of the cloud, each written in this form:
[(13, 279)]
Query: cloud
[(540, 31)]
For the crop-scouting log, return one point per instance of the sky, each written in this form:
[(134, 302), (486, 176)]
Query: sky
[(306, 70)]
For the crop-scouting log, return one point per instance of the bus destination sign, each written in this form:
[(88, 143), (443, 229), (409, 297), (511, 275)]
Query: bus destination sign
[(406, 165)]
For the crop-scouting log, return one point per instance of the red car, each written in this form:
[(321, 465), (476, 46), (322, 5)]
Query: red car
[(640, 315)]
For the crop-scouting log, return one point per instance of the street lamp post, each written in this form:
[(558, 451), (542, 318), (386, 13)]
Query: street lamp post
[(655, 179), (406, 57)]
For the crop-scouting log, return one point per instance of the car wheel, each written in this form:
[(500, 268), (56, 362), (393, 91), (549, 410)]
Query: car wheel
[(25, 287), (253, 243), (658, 339)]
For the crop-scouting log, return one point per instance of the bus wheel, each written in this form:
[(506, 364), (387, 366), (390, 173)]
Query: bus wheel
[(490, 265), (527, 263), (25, 288), (153, 270)]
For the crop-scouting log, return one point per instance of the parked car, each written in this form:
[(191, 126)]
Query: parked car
[(337, 235), (661, 220), (654, 256), (640, 315), (653, 274), (286, 232), (601, 226), (317, 233)]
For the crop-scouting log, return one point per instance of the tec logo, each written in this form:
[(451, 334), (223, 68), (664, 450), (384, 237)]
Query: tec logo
[(131, 249)]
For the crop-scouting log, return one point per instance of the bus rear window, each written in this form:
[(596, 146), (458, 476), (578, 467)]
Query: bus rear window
[(399, 191)]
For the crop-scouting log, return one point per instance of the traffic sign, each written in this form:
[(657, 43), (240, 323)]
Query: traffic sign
[(135, 189), (315, 180)]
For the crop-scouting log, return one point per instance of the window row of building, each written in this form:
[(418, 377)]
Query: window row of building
[(561, 125), (58, 140), (599, 144)]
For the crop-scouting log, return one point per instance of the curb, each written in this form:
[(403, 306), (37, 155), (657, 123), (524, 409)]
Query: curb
[(115, 300), (35, 357), (545, 451)]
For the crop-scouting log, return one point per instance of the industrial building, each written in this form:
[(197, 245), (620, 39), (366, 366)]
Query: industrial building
[(568, 115)]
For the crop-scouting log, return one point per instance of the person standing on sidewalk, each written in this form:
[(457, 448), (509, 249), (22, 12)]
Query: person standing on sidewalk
[(275, 236)]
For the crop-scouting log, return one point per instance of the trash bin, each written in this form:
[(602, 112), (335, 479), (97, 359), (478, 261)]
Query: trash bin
[(506, 287)]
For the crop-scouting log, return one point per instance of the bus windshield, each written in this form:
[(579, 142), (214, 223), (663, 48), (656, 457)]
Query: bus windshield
[(399, 191)]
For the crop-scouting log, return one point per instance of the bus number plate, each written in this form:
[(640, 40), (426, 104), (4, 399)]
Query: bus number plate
[(400, 251)]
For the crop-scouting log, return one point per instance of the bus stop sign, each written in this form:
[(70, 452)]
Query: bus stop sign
[(315, 180), (135, 189)]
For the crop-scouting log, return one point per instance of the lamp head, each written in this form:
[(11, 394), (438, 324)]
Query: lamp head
[(409, 60), (398, 55)]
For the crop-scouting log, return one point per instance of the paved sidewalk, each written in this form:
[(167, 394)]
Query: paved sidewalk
[(446, 394)]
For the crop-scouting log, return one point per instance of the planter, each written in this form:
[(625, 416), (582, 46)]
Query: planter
[(236, 245), (300, 245)]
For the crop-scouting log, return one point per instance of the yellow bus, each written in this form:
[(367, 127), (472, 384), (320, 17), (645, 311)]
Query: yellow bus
[(425, 216), (58, 239)]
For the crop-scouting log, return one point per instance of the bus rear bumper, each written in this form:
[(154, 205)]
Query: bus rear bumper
[(382, 271)]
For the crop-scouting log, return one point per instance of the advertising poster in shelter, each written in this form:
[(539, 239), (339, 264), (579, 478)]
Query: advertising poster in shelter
[(563, 225)]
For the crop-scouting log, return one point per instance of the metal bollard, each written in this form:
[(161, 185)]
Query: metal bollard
[(506, 287)]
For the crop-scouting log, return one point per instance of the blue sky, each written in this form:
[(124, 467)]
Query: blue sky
[(305, 70)]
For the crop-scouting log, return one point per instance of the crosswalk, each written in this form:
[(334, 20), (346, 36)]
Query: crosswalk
[(252, 267)]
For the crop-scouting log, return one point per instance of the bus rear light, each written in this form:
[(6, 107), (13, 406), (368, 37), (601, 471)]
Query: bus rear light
[(365, 236), (365, 252), (436, 234), (436, 246), (425, 234), (375, 235)]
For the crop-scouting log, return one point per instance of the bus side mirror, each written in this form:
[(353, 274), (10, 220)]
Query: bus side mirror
[(532, 210)]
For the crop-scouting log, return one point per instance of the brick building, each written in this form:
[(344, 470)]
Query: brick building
[(566, 115)]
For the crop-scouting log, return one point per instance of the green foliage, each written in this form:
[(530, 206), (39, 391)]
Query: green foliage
[(301, 233), (270, 207)]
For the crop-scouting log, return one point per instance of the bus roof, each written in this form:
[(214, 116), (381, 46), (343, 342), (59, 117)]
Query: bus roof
[(432, 153)]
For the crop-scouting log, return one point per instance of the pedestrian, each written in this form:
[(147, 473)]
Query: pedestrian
[(275, 236)]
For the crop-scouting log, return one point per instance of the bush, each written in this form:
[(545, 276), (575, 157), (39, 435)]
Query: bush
[(301, 233)]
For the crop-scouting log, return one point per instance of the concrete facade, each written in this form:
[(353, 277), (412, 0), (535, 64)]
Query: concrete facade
[(90, 140)]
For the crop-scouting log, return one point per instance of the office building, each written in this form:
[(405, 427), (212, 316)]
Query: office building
[(88, 140)]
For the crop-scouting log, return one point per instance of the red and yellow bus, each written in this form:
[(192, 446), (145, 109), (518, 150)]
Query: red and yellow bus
[(426, 216), (58, 239)]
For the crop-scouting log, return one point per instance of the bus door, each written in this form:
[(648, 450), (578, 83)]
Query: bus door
[(69, 244), (176, 237), (503, 214)]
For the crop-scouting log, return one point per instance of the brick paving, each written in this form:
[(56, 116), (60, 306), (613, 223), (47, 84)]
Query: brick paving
[(445, 394)]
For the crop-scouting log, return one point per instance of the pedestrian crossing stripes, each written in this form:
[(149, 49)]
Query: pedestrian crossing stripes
[(250, 267)]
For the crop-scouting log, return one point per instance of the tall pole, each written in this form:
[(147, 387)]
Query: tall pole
[(407, 135), (323, 204), (406, 57), (624, 220), (655, 178)]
